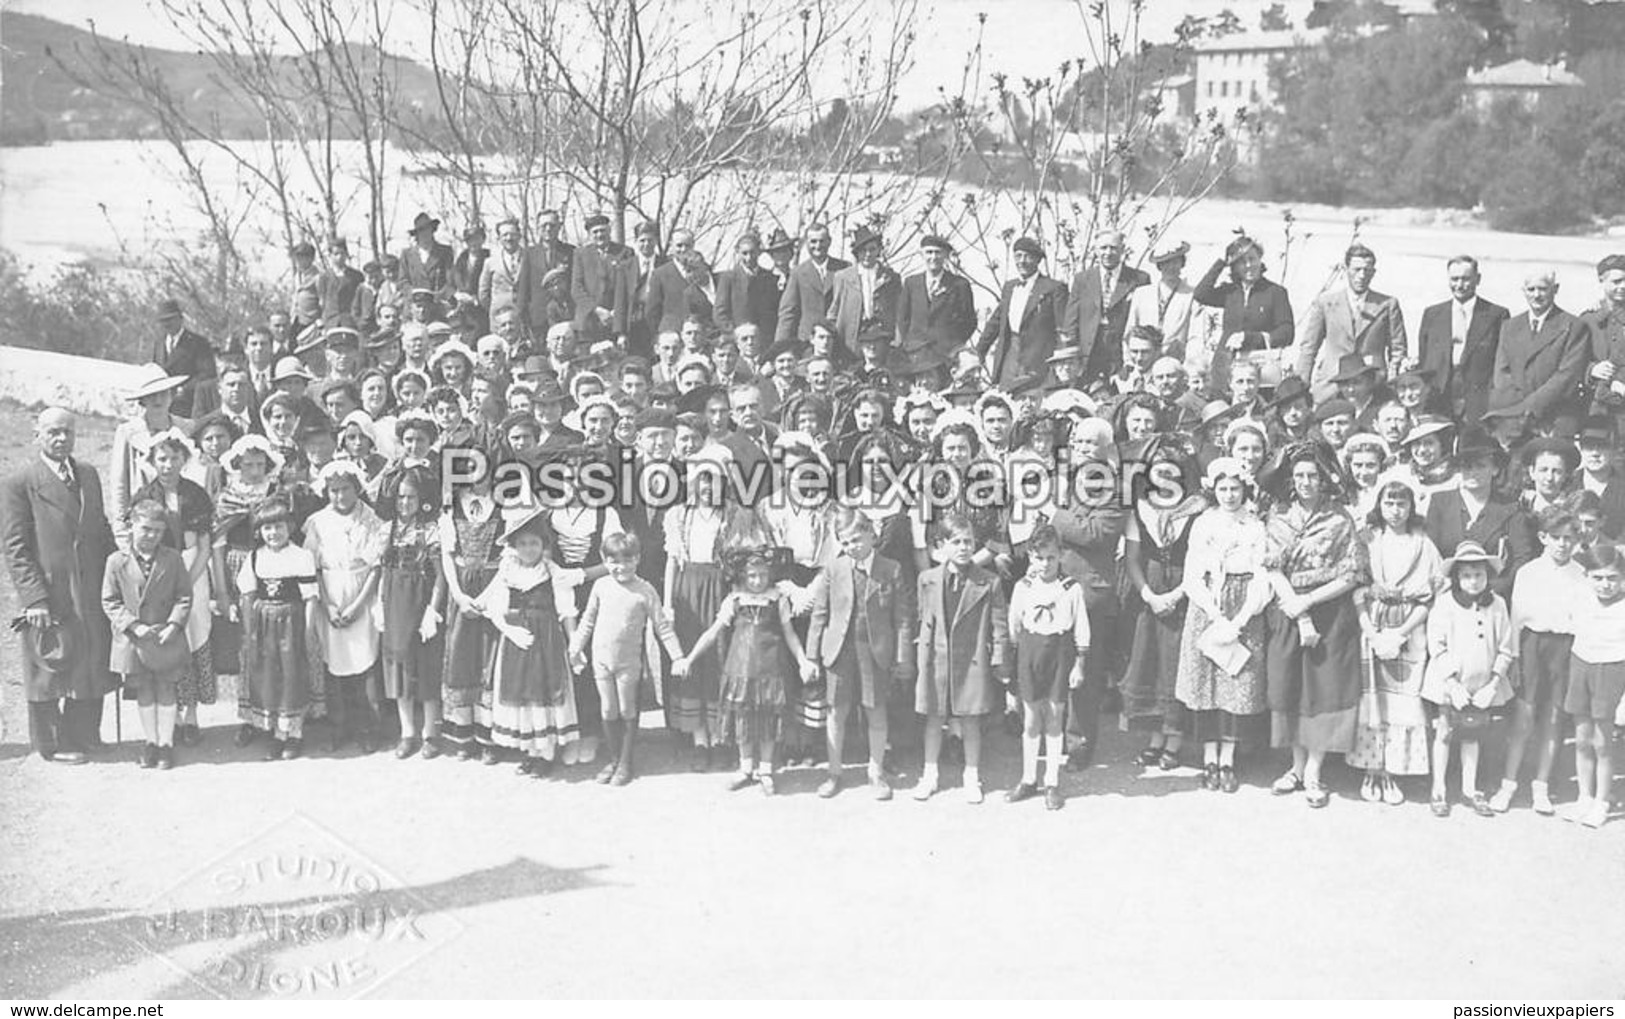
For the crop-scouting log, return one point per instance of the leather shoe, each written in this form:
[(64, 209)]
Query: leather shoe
[(292, 749), (69, 757), (1228, 782), (245, 735), (166, 758), (1024, 791), (406, 748), (274, 751), (149, 756), (431, 749), (1053, 800), (828, 788)]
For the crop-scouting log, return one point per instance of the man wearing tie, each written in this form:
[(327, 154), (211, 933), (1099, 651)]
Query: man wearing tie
[(259, 350), (56, 540), (751, 441), (601, 284), (646, 248), (1457, 340), (936, 310), (543, 294), (499, 277), (747, 293), (806, 296), (1097, 307), (1021, 332), (182, 352), (237, 400), (1540, 359), (864, 295), (1349, 320)]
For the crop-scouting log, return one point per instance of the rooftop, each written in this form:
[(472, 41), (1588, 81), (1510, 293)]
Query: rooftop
[(1264, 42), (1523, 74)]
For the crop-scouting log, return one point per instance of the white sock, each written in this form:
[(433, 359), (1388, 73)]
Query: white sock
[(149, 722), (928, 775), (973, 777), (166, 725), (1029, 759)]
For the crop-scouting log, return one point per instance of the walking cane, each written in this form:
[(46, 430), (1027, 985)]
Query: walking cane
[(118, 717)]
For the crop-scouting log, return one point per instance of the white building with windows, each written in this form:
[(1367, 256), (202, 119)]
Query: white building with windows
[(1233, 72)]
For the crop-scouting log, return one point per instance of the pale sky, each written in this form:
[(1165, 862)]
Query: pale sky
[(1022, 37)]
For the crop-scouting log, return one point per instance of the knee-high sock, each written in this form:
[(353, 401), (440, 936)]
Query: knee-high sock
[(166, 725)]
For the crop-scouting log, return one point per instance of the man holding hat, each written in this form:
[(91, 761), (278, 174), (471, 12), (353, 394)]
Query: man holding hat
[(426, 263), (1457, 341), (543, 296), (180, 351), (1167, 304), (807, 291), (56, 539), (1352, 319), (601, 282), (1021, 332), (1097, 306), (864, 295), (746, 292), (936, 309)]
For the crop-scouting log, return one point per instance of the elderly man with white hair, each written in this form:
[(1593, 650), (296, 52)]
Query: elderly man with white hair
[(1541, 356), (56, 540)]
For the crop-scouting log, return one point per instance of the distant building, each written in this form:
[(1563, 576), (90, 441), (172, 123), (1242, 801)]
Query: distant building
[(1177, 97), (1521, 81), (1232, 72)]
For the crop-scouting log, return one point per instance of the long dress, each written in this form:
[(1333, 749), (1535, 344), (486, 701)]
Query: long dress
[(533, 698), (1226, 550), (1314, 692), (275, 691), (692, 539), (471, 543), (188, 511), (1149, 700), (1392, 728), (234, 528), (346, 547), (753, 694), (411, 665)]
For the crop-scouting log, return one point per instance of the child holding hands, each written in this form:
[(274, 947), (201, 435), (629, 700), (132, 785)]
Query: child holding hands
[(1597, 681), (1471, 652)]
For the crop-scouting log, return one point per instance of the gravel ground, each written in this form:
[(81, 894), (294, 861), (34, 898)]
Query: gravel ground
[(117, 882)]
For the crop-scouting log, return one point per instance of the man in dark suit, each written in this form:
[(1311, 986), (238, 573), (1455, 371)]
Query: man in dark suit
[(1022, 330), (806, 296), (339, 286), (1457, 341), (747, 292), (543, 296), (751, 443), (1097, 307), (426, 263), (238, 402), (1476, 512), (681, 288), (56, 540), (259, 357), (1540, 359), (466, 273), (863, 296), (180, 351), (600, 284), (646, 258), (1605, 371), (936, 309)]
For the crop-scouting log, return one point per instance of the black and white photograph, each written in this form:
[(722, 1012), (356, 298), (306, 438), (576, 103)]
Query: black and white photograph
[(753, 500)]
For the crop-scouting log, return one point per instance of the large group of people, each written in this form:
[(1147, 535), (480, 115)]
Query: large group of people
[(1249, 534)]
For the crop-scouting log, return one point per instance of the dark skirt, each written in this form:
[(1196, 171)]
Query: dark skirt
[(752, 700), (225, 636), (469, 639), (696, 597), (275, 662), (1314, 693), (1153, 658), (411, 666)]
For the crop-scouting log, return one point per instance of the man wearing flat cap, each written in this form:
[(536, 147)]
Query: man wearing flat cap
[(183, 352), (936, 308), (56, 539), (1022, 330), (1097, 306), (1457, 340), (544, 278), (746, 292), (1167, 303), (864, 295), (601, 282), (427, 263)]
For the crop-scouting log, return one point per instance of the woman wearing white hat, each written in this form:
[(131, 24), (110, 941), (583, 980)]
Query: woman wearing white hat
[(152, 392)]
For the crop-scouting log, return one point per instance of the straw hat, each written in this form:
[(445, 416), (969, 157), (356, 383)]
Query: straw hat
[(152, 380)]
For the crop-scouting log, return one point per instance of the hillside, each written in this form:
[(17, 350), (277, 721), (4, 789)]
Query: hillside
[(40, 102)]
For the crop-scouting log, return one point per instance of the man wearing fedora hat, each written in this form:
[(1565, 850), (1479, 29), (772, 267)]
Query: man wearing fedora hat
[(426, 263), (1475, 511), (1360, 383), (746, 292), (806, 295), (1167, 304), (864, 295), (1020, 334), (543, 297), (601, 283), (1096, 313), (936, 308), (56, 539), (1457, 340), (180, 351)]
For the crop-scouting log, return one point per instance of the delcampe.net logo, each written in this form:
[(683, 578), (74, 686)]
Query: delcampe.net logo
[(294, 913)]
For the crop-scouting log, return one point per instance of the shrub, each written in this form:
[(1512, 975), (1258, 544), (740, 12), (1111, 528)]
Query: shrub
[(1533, 193)]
